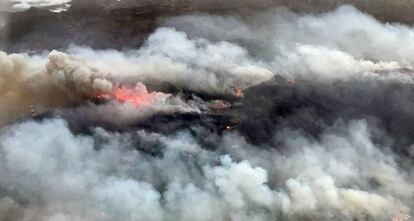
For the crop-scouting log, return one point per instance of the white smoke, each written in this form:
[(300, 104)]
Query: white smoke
[(58, 175), (168, 57), (22, 5), (148, 105), (49, 173), (44, 82), (343, 44), (339, 44)]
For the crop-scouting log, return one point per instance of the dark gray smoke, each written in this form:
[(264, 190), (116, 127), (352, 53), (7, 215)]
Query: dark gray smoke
[(274, 115)]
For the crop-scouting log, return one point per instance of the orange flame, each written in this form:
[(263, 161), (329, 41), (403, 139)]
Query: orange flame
[(237, 92), (138, 95), (134, 96), (400, 217)]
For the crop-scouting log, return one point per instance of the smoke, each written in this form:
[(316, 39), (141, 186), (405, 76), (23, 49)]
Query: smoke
[(168, 57), (45, 82), (194, 64), (308, 44), (274, 116), (112, 26), (22, 5), (104, 177)]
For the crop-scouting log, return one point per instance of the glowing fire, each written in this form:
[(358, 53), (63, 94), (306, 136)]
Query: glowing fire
[(138, 95), (220, 105), (400, 217), (133, 96), (237, 92)]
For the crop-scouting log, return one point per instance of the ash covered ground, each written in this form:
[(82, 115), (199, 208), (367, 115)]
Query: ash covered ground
[(206, 110)]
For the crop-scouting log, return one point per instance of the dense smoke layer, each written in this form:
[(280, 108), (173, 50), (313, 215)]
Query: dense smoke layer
[(103, 177), (108, 24), (167, 57), (323, 107)]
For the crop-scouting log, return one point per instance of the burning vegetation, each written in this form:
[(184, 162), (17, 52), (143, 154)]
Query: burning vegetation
[(138, 95), (190, 123)]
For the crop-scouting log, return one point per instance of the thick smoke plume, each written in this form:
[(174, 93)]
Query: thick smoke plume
[(272, 116), (168, 57)]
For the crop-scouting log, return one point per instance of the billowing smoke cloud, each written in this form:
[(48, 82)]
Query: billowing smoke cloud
[(168, 57), (52, 174), (307, 45), (277, 116), (112, 26), (42, 82), (195, 64)]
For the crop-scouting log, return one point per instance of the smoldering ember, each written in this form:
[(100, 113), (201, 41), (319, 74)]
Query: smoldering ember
[(206, 110)]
